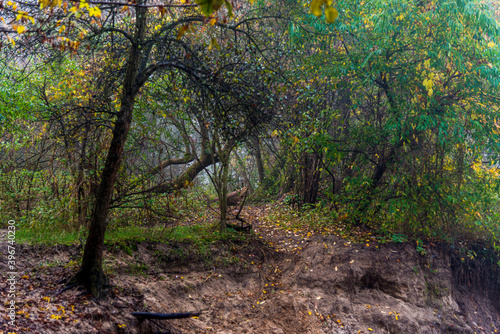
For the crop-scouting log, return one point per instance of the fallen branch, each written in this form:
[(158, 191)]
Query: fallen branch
[(164, 316), (69, 287)]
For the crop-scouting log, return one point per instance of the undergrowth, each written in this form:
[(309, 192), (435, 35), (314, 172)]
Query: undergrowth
[(323, 220)]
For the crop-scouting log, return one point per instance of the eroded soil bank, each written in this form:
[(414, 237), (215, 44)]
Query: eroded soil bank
[(329, 286)]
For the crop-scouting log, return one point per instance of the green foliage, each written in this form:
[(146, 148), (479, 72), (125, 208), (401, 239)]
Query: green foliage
[(399, 101), (389, 116), (17, 100), (399, 238), (420, 249)]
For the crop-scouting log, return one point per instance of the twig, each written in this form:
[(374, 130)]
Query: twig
[(69, 287)]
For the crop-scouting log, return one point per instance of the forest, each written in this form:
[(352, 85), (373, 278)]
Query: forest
[(199, 124)]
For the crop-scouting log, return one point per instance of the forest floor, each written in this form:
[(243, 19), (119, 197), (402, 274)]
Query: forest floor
[(277, 280)]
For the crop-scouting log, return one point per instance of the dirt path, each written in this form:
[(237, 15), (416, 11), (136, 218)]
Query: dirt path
[(283, 281)]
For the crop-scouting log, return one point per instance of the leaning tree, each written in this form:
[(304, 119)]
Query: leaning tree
[(137, 44)]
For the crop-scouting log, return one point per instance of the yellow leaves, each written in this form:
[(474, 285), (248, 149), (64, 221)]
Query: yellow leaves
[(62, 29), (331, 13), (429, 84), (491, 45), (11, 41), (182, 31), (19, 29), (94, 11), (427, 63), (23, 17), (50, 3), (316, 7), (84, 4), (213, 43), (13, 5), (213, 21)]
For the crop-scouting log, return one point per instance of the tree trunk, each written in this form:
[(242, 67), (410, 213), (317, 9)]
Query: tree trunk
[(243, 172), (378, 173), (258, 158), (223, 193), (310, 177), (188, 176), (91, 274)]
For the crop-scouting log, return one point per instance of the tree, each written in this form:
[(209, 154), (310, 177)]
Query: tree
[(399, 99), (150, 52), (137, 44)]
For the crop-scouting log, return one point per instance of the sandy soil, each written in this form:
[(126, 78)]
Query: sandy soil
[(277, 282)]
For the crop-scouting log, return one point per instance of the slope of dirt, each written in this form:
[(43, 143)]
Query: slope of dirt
[(288, 283)]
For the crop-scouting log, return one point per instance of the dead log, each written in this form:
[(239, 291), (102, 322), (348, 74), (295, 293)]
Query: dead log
[(236, 197)]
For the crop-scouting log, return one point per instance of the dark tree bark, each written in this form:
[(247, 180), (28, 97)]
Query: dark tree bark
[(258, 158), (188, 176), (310, 177), (381, 167), (91, 274)]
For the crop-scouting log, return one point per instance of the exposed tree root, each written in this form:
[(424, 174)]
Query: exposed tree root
[(95, 283)]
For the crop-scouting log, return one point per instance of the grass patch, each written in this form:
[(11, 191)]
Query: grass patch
[(48, 236), (195, 234)]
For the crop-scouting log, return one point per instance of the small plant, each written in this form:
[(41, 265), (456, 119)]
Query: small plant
[(415, 270), (399, 238), (139, 269), (420, 249), (291, 199)]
